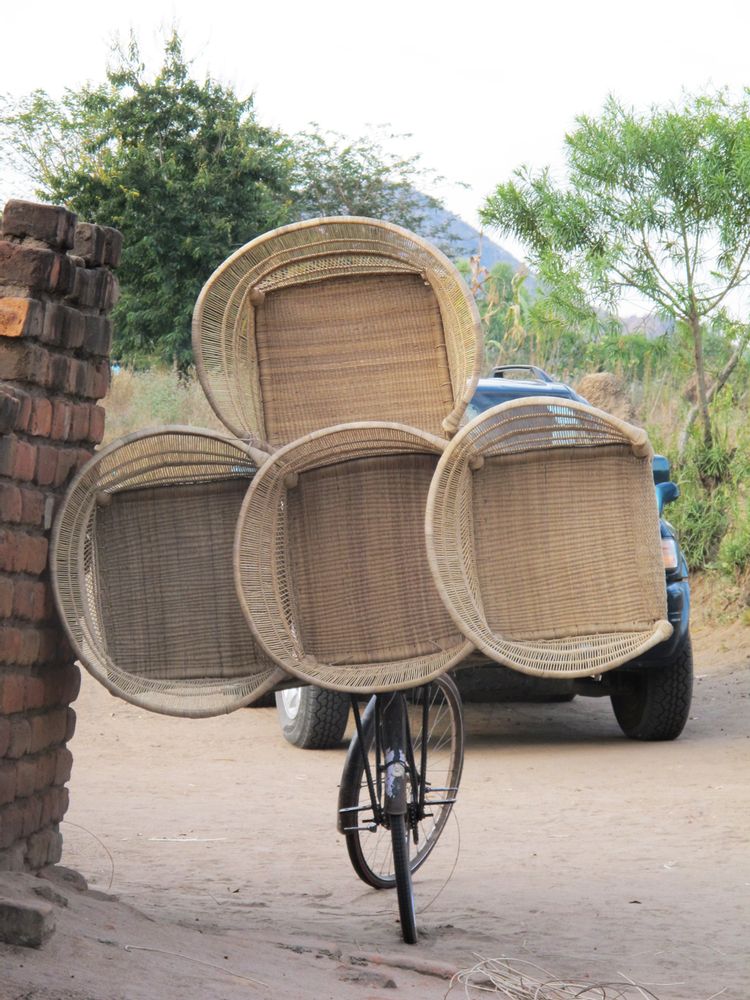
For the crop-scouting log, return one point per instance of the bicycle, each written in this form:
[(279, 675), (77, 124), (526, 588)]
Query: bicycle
[(399, 784)]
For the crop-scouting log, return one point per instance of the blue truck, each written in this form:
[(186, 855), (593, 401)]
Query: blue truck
[(650, 695)]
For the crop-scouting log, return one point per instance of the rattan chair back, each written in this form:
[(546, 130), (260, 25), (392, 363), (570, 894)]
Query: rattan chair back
[(142, 572), (543, 538), (336, 320), (330, 561)]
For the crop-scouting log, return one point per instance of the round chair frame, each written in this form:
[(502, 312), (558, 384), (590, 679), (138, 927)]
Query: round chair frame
[(535, 437), (201, 461), (265, 569), (307, 255)]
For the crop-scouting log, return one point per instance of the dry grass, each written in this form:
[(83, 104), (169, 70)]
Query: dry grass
[(138, 400)]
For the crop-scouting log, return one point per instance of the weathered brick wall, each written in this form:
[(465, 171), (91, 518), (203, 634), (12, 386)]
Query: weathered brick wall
[(56, 291)]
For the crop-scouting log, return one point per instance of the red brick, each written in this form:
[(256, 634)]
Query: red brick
[(11, 824), (96, 424), (31, 600), (44, 848), (20, 737), (30, 645), (94, 288), (49, 224), (6, 598), (46, 767), (48, 799), (41, 417), (64, 766), (11, 641), (84, 455), (70, 682), (35, 693), (112, 246), (32, 507), (98, 339), (46, 464), (89, 243), (78, 376), (23, 361), (11, 505), (9, 409), (25, 461), (7, 781), (21, 317), (4, 734), (67, 463), (54, 846), (62, 803), (71, 725), (59, 372), (100, 384), (24, 414), (12, 693), (62, 418), (53, 645), (37, 269), (80, 426), (48, 729), (25, 777), (22, 553), (98, 245), (8, 445), (31, 812)]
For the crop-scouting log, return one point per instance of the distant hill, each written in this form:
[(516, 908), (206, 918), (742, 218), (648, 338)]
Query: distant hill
[(463, 240)]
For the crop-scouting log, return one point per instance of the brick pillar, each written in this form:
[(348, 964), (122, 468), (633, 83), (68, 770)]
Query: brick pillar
[(56, 291)]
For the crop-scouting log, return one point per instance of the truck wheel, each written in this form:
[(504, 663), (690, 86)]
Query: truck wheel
[(312, 718), (654, 702)]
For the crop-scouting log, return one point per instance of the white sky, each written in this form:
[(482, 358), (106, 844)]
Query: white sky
[(482, 88)]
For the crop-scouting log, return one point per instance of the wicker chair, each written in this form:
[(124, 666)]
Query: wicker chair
[(543, 538), (142, 572), (330, 561), (336, 320)]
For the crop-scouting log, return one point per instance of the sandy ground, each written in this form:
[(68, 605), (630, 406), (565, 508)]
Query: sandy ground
[(212, 852)]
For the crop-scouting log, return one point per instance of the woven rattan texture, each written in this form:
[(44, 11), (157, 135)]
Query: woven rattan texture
[(331, 565), (543, 537), (240, 331), (168, 605), (142, 573), (367, 348)]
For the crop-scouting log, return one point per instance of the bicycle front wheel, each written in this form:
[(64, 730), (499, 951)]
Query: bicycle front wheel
[(400, 837), (370, 845)]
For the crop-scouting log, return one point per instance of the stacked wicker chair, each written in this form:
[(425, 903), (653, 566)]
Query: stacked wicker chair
[(197, 571)]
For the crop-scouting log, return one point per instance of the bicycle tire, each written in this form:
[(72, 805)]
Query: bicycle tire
[(371, 851), (402, 871)]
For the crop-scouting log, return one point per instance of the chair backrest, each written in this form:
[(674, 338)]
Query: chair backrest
[(142, 572), (543, 538), (331, 565), (332, 321)]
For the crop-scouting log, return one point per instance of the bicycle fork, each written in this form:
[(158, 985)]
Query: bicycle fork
[(396, 769)]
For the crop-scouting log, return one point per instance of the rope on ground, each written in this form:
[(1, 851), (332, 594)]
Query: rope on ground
[(197, 961), (516, 979)]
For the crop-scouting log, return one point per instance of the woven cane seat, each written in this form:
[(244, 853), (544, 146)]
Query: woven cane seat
[(142, 572), (330, 561), (336, 320), (543, 538)]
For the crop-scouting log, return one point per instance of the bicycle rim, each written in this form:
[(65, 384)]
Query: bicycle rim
[(371, 852)]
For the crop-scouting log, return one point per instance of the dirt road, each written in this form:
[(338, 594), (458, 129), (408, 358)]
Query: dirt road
[(594, 856)]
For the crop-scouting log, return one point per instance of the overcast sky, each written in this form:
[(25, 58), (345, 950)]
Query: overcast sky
[(482, 87)]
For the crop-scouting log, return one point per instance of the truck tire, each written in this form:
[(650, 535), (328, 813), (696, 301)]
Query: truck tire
[(654, 702), (312, 718)]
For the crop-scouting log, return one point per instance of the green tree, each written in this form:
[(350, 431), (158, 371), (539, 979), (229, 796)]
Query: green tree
[(181, 167), (657, 203), (337, 175)]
